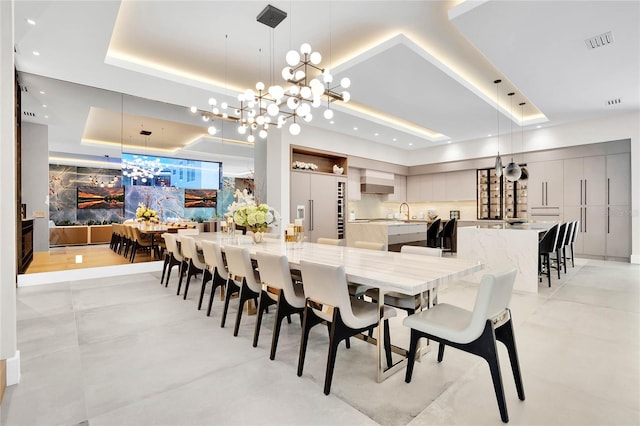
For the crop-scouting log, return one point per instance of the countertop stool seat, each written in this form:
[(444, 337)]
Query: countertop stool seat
[(474, 331), (328, 299)]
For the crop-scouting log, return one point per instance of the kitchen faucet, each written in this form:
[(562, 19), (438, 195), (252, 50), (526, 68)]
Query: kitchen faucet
[(408, 214)]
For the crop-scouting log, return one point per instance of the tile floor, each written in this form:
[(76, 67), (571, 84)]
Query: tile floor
[(126, 351)]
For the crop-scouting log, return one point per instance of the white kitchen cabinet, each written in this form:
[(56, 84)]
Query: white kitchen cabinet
[(584, 180), (353, 190), (438, 187), (315, 197), (546, 183), (619, 179), (618, 198), (461, 185), (419, 188), (399, 189)]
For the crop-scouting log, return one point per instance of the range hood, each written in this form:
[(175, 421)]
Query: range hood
[(376, 182)]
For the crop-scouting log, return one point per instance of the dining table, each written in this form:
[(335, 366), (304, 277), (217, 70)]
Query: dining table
[(408, 274)]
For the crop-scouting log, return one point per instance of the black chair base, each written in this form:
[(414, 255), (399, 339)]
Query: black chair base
[(218, 281), (283, 310), (485, 347), (338, 331)]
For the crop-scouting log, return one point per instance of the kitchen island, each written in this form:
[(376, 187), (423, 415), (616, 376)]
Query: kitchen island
[(501, 246), (391, 233)]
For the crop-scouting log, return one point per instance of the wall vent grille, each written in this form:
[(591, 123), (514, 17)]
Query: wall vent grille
[(28, 113), (599, 40), (614, 101)]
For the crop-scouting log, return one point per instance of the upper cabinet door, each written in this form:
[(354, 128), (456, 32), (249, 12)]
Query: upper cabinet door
[(554, 187), (535, 184), (461, 185), (353, 186), (595, 181), (399, 189), (573, 182), (413, 189), (619, 179)]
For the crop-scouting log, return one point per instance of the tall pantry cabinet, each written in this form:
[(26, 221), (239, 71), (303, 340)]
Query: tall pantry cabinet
[(597, 192)]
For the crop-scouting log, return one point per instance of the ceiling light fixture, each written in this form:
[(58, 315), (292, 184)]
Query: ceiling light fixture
[(276, 105), (513, 172), (498, 167), (525, 174), (31, 22)]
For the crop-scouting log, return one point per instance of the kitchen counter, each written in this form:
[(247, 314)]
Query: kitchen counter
[(501, 246), (389, 232)]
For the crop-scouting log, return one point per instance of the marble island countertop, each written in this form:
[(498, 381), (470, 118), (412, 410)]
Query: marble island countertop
[(386, 232), (538, 227)]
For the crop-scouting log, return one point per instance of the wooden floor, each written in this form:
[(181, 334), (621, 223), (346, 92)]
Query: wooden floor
[(64, 258)]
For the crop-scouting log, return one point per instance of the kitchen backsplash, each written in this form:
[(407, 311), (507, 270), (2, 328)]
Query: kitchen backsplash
[(375, 206)]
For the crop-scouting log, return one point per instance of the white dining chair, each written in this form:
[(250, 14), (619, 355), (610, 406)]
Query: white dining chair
[(330, 241), (325, 288), (169, 259), (370, 245), (195, 260), (176, 254), (474, 331), (216, 271), (243, 279), (277, 288)]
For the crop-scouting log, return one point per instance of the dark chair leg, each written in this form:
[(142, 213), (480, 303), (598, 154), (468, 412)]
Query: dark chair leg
[(441, 351), (206, 276), (387, 344), (571, 247), (183, 265), (264, 303), (232, 288), (216, 281), (164, 267), (505, 335), (246, 294), (334, 341), (411, 356), (308, 321)]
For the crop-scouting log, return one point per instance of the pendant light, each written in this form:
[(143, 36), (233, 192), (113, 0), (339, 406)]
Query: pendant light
[(498, 167), (513, 172), (525, 174)]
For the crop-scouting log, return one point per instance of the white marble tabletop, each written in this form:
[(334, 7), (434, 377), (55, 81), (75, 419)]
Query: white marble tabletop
[(389, 271)]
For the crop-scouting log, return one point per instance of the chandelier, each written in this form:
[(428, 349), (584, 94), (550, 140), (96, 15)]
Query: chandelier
[(141, 168), (308, 86)]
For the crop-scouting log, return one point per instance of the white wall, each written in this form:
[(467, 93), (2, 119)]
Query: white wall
[(35, 180), (7, 186)]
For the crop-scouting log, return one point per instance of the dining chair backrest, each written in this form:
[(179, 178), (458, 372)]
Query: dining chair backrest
[(369, 245), (190, 251), (494, 296), (172, 246), (213, 258), (447, 229), (128, 231), (164, 237), (548, 242), (239, 264), (327, 284), (275, 272), (188, 231), (330, 241), (425, 251)]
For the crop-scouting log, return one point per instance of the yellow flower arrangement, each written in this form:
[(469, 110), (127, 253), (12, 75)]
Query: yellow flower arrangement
[(143, 213)]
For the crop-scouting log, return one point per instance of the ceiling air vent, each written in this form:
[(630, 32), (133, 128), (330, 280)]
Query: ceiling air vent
[(614, 101), (24, 88), (145, 132), (28, 114), (599, 40)]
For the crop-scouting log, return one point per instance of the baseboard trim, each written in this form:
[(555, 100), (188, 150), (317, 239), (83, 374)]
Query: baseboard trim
[(3, 378), (13, 369), (87, 273), (635, 258)]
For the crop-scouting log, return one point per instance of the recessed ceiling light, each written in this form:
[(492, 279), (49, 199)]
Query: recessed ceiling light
[(42, 92), (44, 105), (31, 21), (331, 122), (489, 135), (376, 134), (46, 116), (36, 53), (448, 141), (355, 128), (537, 127), (410, 143), (394, 139)]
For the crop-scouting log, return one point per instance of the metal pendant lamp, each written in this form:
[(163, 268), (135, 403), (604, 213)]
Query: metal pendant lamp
[(498, 166), (513, 172), (525, 175)]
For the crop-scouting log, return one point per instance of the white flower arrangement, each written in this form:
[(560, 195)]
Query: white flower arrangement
[(304, 166), (246, 212)]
